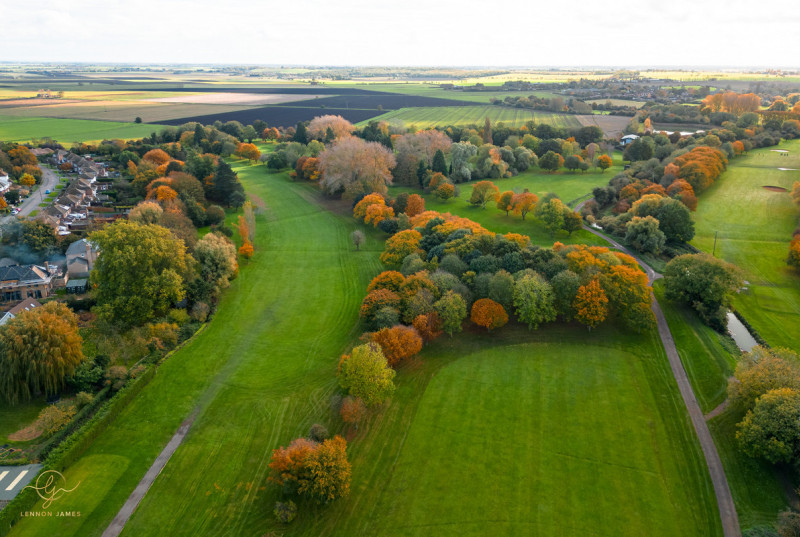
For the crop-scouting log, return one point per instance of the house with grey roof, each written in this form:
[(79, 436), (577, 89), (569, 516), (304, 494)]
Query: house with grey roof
[(81, 257), (18, 282)]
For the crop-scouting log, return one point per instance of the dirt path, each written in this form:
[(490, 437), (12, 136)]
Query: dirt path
[(118, 524), (723, 406), (727, 509)]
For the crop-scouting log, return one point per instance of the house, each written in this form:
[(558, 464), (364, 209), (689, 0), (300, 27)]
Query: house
[(27, 281), (628, 139), (81, 257), (26, 305), (5, 182)]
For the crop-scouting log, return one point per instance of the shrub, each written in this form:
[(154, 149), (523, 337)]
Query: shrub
[(178, 316), (285, 512), (318, 433), (53, 417), (83, 398)]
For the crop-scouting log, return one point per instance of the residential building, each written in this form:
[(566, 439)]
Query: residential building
[(26, 305), (27, 281), (81, 257)]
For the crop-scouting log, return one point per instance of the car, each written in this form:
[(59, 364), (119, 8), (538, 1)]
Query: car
[(15, 211), (46, 191)]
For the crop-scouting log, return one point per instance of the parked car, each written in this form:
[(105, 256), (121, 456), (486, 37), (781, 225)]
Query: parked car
[(15, 210)]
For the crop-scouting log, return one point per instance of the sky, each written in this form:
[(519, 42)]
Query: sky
[(674, 33)]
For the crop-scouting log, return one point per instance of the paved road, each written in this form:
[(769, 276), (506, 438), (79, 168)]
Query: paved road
[(727, 509), (49, 182), (124, 514)]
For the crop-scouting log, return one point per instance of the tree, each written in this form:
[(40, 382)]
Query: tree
[(329, 471), (504, 201), (772, 429), (445, 191), (365, 373), (604, 162), (482, 192), (793, 260), (428, 325), (216, 259), (139, 273), (488, 314), (339, 128), (399, 245), (157, 157), (137, 120), (40, 349), (551, 213), (533, 299), (551, 161), (452, 310), (398, 343), (487, 131), (565, 286), (225, 184), (644, 235), (524, 203), (357, 237), (27, 180), (572, 162), (352, 410), (415, 205), (353, 167), (300, 135), (423, 145), (11, 196), (246, 250), (572, 221), (248, 151), (439, 164), (760, 371), (703, 282), (591, 304), (38, 236)]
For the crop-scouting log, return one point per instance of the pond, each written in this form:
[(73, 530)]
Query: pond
[(740, 334)]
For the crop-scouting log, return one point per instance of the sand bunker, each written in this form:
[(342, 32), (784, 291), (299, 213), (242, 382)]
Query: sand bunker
[(774, 188), (788, 169)]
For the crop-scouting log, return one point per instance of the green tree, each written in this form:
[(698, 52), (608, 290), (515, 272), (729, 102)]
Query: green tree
[(534, 301), (705, 283), (216, 259), (487, 131), (551, 213), (39, 236), (501, 289), (300, 135), (565, 286), (40, 349), (226, 185), (139, 273), (504, 201), (482, 192), (644, 235), (439, 163), (452, 311), (572, 221), (366, 374), (772, 429), (760, 371), (551, 161)]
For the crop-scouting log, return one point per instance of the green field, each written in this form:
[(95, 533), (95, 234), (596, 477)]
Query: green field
[(709, 360), (13, 418), (433, 90), (424, 118), (567, 433), (67, 131), (753, 227), (617, 102)]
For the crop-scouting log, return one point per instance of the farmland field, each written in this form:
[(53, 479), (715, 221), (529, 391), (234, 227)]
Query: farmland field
[(753, 227), (278, 115), (67, 131), (617, 102), (423, 118)]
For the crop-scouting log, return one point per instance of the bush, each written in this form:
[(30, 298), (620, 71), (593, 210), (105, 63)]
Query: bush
[(83, 398), (53, 418), (285, 511), (178, 316), (200, 312), (318, 433), (116, 377)]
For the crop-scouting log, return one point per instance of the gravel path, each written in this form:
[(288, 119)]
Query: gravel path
[(727, 509)]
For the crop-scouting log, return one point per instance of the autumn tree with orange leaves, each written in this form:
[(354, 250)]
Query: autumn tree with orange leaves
[(483, 192), (524, 203), (591, 304), (353, 410), (488, 314), (399, 343), (248, 151), (428, 325), (415, 205), (318, 471)]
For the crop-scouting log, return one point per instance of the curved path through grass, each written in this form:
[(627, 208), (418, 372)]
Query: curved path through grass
[(727, 509)]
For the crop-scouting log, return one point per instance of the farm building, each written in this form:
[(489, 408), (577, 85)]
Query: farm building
[(628, 139)]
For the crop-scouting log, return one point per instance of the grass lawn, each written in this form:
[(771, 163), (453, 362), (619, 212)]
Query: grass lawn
[(13, 418), (555, 431), (709, 359), (67, 131), (754, 226), (427, 117)]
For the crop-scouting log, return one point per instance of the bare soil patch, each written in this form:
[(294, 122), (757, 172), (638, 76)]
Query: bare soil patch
[(233, 98), (611, 125), (27, 433), (774, 188)]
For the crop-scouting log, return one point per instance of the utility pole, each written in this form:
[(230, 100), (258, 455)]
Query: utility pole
[(714, 251)]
